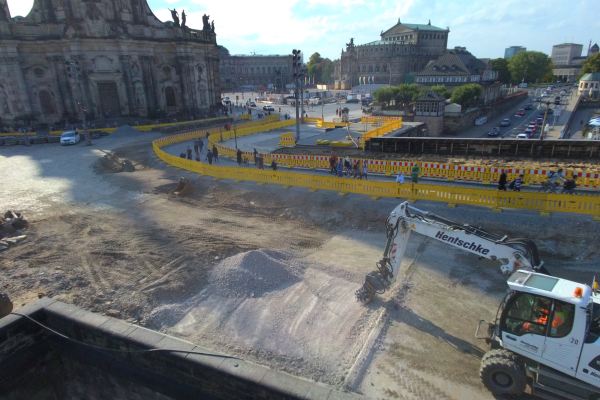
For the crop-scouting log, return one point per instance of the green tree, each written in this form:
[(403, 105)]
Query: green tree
[(529, 66), (466, 95), (592, 64), (384, 94), (406, 93), (327, 71), (315, 59), (501, 65), (442, 90)]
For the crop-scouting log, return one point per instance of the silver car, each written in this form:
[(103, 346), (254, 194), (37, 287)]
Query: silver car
[(70, 137)]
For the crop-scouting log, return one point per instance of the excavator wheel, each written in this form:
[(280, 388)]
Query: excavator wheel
[(502, 373), (6, 306)]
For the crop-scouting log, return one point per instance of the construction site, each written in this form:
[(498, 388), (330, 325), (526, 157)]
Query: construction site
[(265, 273)]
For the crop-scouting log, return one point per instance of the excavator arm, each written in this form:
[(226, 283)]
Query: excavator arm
[(512, 254)]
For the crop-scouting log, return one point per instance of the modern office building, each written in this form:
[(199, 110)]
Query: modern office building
[(512, 50), (563, 54)]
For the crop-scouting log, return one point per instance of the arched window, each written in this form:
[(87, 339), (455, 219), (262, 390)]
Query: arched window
[(170, 96), (46, 103), (370, 68), (269, 69), (251, 70), (384, 67), (263, 70), (364, 68), (377, 68)]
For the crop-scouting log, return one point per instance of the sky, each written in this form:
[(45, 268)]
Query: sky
[(484, 27)]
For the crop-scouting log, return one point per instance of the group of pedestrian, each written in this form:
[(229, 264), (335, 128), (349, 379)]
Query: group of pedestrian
[(555, 178), (414, 175), (347, 168)]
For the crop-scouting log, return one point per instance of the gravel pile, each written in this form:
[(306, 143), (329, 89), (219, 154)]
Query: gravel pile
[(254, 273)]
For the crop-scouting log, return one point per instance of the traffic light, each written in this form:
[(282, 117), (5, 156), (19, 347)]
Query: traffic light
[(237, 97)]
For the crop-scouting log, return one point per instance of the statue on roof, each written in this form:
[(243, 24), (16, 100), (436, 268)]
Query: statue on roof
[(175, 16), (183, 18), (205, 24), (350, 45)]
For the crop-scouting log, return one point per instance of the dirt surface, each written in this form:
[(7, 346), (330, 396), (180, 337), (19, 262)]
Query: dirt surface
[(264, 272), (496, 162)]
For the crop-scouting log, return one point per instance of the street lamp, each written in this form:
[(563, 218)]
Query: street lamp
[(298, 76), (544, 123), (72, 68)]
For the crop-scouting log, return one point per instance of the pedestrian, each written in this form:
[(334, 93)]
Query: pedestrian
[(415, 174), (355, 170), (261, 163), (207, 135), (515, 185), (209, 157), (569, 186), (196, 145), (279, 110), (197, 156), (502, 181), (339, 167), (274, 165), (255, 154), (364, 171), (400, 178), (239, 157), (189, 153), (106, 114), (200, 144), (333, 162), (182, 155), (215, 152), (347, 166)]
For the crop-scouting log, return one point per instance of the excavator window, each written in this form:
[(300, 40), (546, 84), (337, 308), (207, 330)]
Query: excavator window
[(593, 322), (527, 313), (562, 319)]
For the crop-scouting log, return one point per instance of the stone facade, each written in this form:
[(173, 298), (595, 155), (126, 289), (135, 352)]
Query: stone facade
[(103, 56), (254, 70), (402, 50)]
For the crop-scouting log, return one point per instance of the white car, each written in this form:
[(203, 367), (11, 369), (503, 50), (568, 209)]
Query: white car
[(268, 108), (70, 137), (522, 136)]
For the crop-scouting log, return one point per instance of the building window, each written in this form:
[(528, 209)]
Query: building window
[(364, 68), (251, 70), (263, 70), (269, 70), (377, 68), (170, 96), (240, 70), (46, 103), (386, 49), (585, 86), (384, 67)]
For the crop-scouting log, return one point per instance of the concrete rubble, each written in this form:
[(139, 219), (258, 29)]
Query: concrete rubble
[(12, 226)]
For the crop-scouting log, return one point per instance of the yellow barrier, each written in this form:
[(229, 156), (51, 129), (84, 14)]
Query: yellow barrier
[(311, 119), (323, 124), (450, 194), (287, 139)]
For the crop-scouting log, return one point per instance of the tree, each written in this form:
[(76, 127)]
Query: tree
[(592, 64), (442, 91), (327, 71), (384, 94), (405, 93), (501, 65), (314, 59), (466, 94), (529, 66)]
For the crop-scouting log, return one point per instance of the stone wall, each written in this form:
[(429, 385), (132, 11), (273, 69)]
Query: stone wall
[(37, 364)]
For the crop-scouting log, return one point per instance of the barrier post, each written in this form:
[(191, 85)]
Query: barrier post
[(451, 172), (452, 199), (413, 194), (544, 212), (496, 206), (487, 176)]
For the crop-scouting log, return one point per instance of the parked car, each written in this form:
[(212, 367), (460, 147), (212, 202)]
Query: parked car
[(537, 99), (226, 100), (532, 127), (352, 101), (70, 137), (545, 94), (494, 131), (505, 122), (522, 136), (528, 106), (251, 104), (520, 112), (268, 108)]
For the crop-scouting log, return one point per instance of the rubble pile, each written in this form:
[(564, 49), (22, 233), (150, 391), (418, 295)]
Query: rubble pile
[(12, 226)]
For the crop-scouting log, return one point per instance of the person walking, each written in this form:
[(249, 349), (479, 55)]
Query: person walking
[(502, 181), (415, 174), (209, 157), (255, 154), (332, 163), (340, 168), (273, 165), (364, 171), (197, 156), (238, 156), (569, 186), (200, 144), (196, 145), (400, 178), (516, 184), (261, 163), (215, 152), (189, 153)]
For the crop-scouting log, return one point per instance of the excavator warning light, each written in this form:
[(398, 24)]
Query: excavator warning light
[(595, 288), (578, 292)]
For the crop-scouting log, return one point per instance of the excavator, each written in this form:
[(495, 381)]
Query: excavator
[(546, 331)]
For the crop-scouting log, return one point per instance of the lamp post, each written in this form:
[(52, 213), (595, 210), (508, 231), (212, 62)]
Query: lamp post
[(73, 68), (298, 76), (544, 123)]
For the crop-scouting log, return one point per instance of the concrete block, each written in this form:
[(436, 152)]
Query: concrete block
[(145, 337), (60, 309), (317, 391), (91, 320), (279, 382), (35, 307), (240, 369), (337, 395), (114, 327), (204, 367)]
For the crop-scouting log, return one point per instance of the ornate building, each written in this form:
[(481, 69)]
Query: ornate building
[(254, 70), (104, 56), (402, 50)]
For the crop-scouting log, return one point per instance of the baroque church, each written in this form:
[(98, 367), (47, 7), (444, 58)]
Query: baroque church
[(402, 51), (104, 57)]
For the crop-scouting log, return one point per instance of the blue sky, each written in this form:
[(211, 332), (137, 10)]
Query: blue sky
[(484, 27)]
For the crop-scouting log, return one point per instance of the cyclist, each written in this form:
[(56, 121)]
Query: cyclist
[(569, 186), (555, 178)]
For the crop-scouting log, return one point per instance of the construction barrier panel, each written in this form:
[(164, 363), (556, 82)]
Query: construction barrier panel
[(287, 140), (452, 195)]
